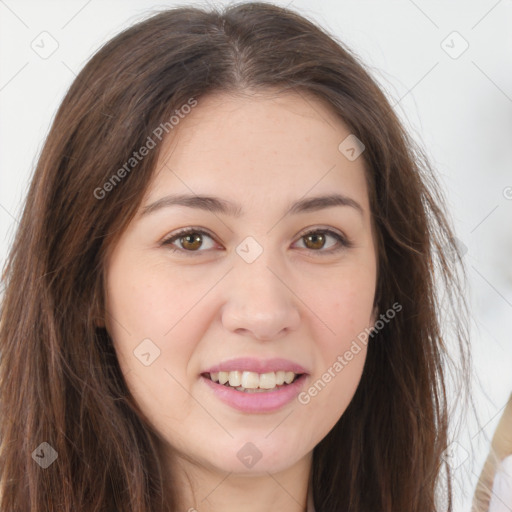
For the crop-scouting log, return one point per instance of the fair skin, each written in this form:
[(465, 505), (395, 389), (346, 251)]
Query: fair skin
[(298, 300)]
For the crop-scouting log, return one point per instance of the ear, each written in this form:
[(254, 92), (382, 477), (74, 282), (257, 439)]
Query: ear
[(98, 308), (98, 313), (99, 322), (374, 315)]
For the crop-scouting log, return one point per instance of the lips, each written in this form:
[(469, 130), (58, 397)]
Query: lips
[(268, 396), (256, 400), (260, 366)]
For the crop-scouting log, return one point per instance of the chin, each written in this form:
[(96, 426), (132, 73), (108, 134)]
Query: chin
[(257, 455)]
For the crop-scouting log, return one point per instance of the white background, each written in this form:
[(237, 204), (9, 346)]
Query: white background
[(459, 109)]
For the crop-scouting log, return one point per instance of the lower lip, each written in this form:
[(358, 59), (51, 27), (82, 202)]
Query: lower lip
[(267, 401)]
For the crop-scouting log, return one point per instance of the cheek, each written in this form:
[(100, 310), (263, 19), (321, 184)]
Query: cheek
[(345, 306), (153, 325), (145, 302), (329, 394)]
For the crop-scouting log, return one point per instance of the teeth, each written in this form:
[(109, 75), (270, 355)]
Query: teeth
[(235, 379), (288, 377), (267, 380), (252, 380)]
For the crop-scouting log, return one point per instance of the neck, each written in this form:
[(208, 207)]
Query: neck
[(198, 488)]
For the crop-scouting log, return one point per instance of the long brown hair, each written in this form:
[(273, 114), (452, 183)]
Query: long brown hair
[(60, 379)]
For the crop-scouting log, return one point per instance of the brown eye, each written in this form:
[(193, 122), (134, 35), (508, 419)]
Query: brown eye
[(189, 241), (316, 241)]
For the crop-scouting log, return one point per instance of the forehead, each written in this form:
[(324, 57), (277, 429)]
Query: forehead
[(262, 140), (268, 117)]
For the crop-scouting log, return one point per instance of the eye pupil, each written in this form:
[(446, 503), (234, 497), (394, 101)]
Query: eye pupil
[(192, 238), (315, 237)]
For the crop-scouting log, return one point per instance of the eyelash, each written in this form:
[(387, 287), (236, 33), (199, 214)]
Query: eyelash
[(343, 241)]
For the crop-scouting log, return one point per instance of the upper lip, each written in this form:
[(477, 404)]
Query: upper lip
[(252, 364)]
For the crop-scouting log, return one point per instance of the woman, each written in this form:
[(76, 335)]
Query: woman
[(223, 284)]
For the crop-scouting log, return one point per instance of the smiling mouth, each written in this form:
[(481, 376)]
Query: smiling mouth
[(252, 382)]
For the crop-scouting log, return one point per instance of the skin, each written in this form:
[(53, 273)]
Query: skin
[(295, 301)]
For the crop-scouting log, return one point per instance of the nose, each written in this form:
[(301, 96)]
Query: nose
[(260, 302)]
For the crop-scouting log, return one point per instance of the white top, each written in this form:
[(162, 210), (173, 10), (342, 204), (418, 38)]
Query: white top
[(501, 497)]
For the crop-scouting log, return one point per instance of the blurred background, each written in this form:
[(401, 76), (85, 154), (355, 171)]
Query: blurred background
[(445, 66)]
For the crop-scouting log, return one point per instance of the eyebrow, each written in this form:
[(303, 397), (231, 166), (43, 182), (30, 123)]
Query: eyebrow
[(217, 205)]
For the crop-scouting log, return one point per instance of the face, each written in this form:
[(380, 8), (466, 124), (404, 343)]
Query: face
[(283, 288)]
